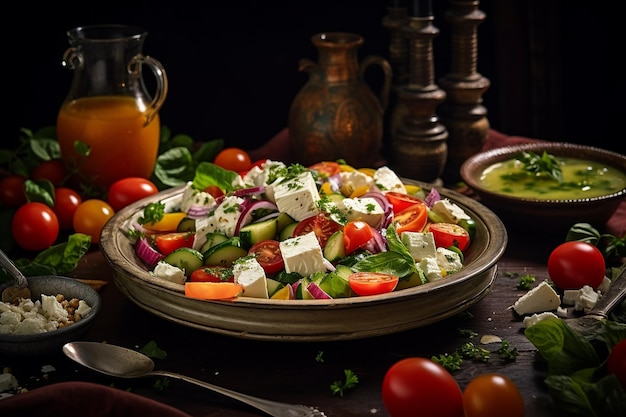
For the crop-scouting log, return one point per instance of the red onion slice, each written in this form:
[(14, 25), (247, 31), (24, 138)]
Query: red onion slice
[(247, 209), (147, 253)]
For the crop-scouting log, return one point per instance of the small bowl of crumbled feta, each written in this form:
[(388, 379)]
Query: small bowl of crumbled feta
[(60, 310)]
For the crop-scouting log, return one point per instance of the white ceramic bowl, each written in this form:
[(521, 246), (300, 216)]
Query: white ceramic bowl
[(309, 320), (51, 342)]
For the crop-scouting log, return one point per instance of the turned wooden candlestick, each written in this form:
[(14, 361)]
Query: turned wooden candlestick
[(418, 144), (463, 114)]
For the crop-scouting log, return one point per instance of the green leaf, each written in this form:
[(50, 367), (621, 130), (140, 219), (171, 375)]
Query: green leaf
[(65, 256), (207, 173), (174, 167), (41, 191), (208, 150)]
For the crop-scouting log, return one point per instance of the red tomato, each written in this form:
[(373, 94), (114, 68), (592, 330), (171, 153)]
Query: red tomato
[(34, 226), (12, 192), (167, 243), (616, 364), (492, 395), (412, 218), (66, 201), (419, 387), (326, 169), (128, 190), (356, 234), (216, 273), (574, 264), (53, 170), (268, 255), (321, 224), (233, 159), (449, 234), (91, 216), (372, 283), (400, 201), (214, 190)]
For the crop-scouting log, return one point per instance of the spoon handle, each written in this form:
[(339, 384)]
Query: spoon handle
[(20, 279), (273, 408)]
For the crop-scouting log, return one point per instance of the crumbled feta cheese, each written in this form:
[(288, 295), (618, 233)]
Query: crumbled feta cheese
[(169, 272), (449, 260), (536, 318), (587, 298)]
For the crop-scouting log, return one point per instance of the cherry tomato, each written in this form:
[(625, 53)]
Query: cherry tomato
[(400, 201), (616, 364), (66, 201), (233, 159), (326, 169), (492, 395), (268, 255), (419, 387), (128, 190), (214, 190), (372, 283), (572, 265), (216, 273), (34, 226), (449, 234), (321, 224), (412, 219), (53, 170), (356, 234), (91, 216), (12, 192), (167, 243)]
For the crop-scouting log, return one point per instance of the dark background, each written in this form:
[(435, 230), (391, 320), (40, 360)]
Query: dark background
[(232, 66)]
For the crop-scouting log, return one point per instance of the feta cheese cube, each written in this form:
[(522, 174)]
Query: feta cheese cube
[(431, 269), (366, 209), (169, 272), (387, 180), (224, 218), (539, 299), (303, 255), (297, 197), (420, 244), (449, 212), (356, 179), (449, 261), (193, 197), (249, 273)]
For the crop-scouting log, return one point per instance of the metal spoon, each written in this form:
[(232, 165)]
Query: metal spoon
[(121, 362), (20, 288)]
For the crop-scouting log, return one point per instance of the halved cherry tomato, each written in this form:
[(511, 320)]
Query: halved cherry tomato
[(372, 283), (213, 290), (321, 224), (326, 169), (169, 222), (356, 234), (216, 273), (169, 242), (214, 190), (412, 218), (449, 234), (401, 201), (268, 255)]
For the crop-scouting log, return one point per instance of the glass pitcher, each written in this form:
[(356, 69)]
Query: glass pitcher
[(108, 126)]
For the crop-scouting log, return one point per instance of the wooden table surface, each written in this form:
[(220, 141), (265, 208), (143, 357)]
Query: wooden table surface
[(289, 371)]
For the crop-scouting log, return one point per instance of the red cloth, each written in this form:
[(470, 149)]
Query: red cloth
[(84, 399), (278, 149)]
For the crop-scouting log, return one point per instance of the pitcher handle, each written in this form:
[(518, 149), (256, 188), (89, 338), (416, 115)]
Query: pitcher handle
[(385, 90), (161, 82)]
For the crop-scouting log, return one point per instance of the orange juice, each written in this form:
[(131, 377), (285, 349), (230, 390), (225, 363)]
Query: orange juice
[(113, 128)]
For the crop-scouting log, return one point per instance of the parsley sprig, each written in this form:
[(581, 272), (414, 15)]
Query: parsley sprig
[(341, 386)]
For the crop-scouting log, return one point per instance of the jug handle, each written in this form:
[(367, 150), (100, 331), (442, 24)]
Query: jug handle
[(385, 90), (161, 82)]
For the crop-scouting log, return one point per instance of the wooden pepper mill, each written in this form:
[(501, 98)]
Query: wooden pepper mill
[(418, 145), (463, 114)]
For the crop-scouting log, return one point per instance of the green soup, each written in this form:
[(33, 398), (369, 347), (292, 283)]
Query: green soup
[(581, 179)]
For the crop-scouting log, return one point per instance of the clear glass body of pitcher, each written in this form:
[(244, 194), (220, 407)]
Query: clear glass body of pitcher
[(108, 126)]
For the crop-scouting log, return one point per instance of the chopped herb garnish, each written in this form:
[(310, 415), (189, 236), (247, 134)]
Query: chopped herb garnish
[(545, 164), (350, 382), (152, 213)]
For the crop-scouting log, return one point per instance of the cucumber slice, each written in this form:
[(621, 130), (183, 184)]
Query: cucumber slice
[(287, 232), (225, 253), (273, 286), (187, 224), (335, 249), (282, 221), (257, 232), (186, 259), (212, 239)]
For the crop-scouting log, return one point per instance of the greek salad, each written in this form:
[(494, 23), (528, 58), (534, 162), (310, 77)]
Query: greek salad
[(286, 231)]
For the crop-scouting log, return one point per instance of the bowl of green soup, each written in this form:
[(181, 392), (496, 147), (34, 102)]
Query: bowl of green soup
[(548, 185)]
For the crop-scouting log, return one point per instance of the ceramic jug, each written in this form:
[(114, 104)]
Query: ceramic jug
[(108, 126), (336, 114)]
